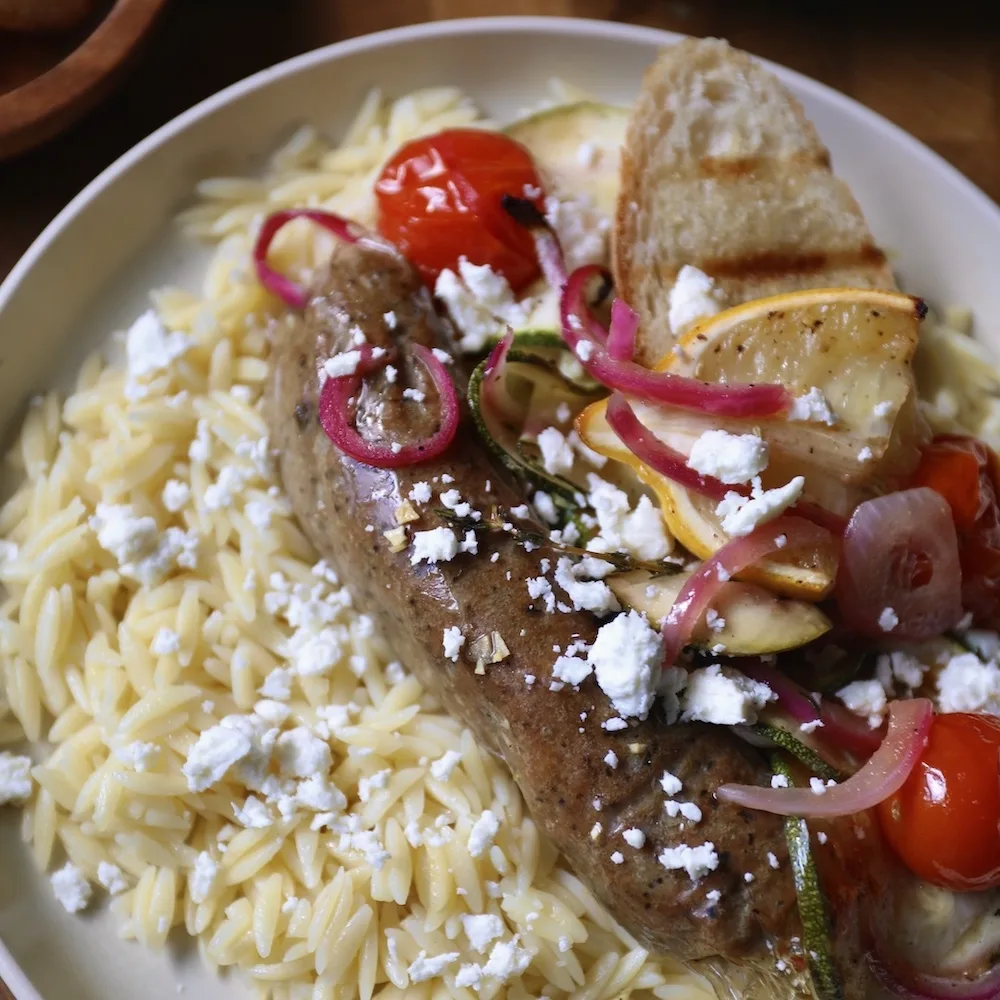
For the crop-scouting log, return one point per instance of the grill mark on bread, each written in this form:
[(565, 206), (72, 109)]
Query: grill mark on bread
[(770, 264), (735, 167)]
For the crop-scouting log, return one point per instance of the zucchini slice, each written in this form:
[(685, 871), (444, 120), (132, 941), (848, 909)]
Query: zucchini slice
[(757, 621), (781, 737), (817, 932), (577, 147)]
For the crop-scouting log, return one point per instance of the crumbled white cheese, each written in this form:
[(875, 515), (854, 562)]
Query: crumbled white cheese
[(175, 495), (253, 814), (138, 755), (545, 507), (811, 726), (434, 546), (779, 781), (888, 619), (539, 587), (865, 698), (320, 794), (593, 595), (373, 783), (453, 641), (572, 670), (584, 350), (482, 833), (772, 859), (142, 553), (966, 684), (300, 753), (816, 786), (481, 929), (693, 297), (740, 514), (865, 454), (420, 492), (696, 861), (15, 778), (480, 302), (342, 364), (166, 642), (423, 967), (670, 783), (277, 684), (611, 759), (71, 888), (723, 696), (813, 406), (111, 878), (634, 837), (443, 768), (638, 532), (732, 458), (627, 657), (617, 858), (581, 227), (557, 455), (150, 348)]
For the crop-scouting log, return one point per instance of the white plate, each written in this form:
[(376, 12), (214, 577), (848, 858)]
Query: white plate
[(89, 272)]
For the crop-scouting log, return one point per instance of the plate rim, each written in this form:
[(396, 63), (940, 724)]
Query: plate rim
[(11, 973)]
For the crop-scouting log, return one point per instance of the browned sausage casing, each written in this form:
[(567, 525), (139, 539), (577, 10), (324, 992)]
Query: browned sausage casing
[(552, 741)]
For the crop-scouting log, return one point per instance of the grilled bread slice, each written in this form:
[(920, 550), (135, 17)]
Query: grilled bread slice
[(721, 169)]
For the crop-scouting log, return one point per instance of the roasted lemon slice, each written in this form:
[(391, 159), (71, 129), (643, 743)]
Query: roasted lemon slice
[(845, 355)]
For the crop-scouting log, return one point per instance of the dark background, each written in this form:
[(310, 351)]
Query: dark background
[(932, 68)]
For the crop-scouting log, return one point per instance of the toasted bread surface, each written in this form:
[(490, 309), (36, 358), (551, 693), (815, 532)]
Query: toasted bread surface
[(722, 170)]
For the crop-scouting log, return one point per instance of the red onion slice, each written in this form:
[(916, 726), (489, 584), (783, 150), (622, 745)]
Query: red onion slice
[(494, 390), (790, 696), (883, 775), (648, 448), (901, 553), (334, 403), (621, 333), (705, 582), (586, 338), (291, 292), (924, 986)]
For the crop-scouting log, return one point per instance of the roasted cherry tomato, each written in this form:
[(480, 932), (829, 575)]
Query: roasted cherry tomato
[(965, 472), (944, 823), (439, 199)]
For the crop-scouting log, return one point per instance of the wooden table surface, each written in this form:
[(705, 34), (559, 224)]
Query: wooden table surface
[(935, 74)]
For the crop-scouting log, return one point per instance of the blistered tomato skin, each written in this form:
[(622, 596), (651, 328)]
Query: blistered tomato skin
[(944, 823), (439, 199)]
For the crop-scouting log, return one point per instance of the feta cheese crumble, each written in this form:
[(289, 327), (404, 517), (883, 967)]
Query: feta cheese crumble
[(481, 929), (627, 657), (480, 302), (723, 696), (732, 458), (814, 407), (693, 297), (434, 546), (639, 532), (634, 837), (888, 619), (740, 514), (482, 833), (966, 684), (865, 698), (15, 778), (696, 861), (111, 878), (149, 348), (71, 888), (557, 455), (453, 641)]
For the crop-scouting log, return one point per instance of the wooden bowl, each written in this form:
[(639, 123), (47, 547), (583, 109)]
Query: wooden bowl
[(56, 78)]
